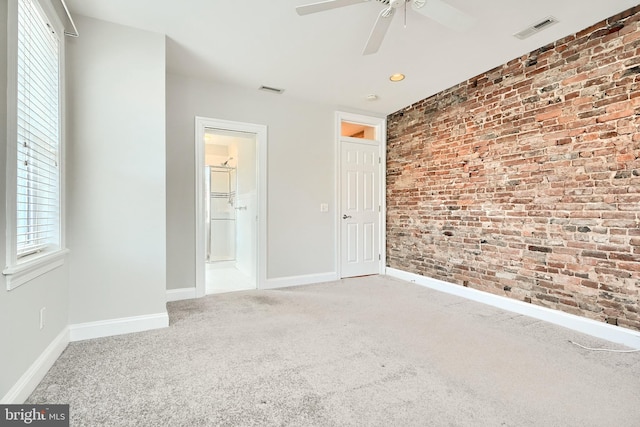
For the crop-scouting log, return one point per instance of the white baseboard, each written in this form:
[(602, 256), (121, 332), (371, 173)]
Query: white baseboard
[(36, 372), (180, 294), (307, 279), (612, 333), (125, 325)]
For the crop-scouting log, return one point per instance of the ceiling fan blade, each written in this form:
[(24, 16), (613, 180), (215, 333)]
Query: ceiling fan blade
[(443, 13), (379, 31), (325, 5)]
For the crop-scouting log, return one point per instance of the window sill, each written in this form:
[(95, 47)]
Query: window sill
[(28, 270)]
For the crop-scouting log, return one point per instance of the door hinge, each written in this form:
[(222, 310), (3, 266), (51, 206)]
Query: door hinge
[(379, 257), (379, 160)]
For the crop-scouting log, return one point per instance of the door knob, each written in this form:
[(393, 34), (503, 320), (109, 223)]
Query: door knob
[(345, 216)]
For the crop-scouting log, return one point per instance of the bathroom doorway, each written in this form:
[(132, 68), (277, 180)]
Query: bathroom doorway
[(231, 207)]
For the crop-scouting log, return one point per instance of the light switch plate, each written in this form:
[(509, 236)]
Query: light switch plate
[(324, 207)]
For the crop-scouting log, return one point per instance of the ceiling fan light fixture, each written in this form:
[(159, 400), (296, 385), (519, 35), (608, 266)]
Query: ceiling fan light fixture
[(397, 77)]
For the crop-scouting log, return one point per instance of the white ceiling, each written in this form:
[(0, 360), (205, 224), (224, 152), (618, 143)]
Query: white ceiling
[(250, 43)]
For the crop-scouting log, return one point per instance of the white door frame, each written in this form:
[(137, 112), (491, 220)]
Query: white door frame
[(380, 125), (201, 125)]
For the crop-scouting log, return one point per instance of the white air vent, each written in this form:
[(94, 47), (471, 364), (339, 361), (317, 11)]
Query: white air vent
[(271, 89), (537, 27)]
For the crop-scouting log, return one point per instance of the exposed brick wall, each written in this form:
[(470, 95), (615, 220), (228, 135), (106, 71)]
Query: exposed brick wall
[(525, 181)]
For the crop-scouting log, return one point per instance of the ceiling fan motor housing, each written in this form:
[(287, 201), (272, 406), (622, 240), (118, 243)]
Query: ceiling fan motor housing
[(398, 3), (393, 3)]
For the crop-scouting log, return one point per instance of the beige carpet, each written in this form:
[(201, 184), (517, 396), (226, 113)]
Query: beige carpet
[(369, 351)]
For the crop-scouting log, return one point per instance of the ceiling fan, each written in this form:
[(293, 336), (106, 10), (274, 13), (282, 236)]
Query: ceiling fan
[(437, 10)]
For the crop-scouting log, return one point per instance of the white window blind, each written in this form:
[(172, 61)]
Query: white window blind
[(38, 133)]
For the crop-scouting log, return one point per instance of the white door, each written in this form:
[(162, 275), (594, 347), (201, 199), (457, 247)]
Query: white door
[(360, 213)]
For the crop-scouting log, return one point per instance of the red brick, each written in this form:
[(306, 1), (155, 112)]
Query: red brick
[(615, 116), (527, 187), (623, 158), (629, 38), (575, 79), (549, 115)]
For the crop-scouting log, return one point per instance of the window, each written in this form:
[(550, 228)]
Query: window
[(357, 130), (34, 183), (38, 177)]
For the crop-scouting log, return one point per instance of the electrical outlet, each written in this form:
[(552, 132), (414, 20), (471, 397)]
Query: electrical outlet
[(42, 310), (324, 207)]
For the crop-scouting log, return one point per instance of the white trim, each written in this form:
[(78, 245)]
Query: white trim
[(201, 124), (20, 272), (52, 15), (38, 369), (584, 325), (307, 279), (29, 270), (12, 131), (181, 294), (124, 325), (380, 124)]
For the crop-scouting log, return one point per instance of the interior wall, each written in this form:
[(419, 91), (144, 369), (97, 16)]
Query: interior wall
[(215, 155), (247, 201), (116, 172), (22, 339), (300, 175), (525, 181)]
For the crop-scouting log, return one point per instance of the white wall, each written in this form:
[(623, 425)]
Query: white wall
[(116, 172), (247, 198), (300, 175), (21, 339)]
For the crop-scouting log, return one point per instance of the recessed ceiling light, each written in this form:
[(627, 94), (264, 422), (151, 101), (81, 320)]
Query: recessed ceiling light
[(398, 77)]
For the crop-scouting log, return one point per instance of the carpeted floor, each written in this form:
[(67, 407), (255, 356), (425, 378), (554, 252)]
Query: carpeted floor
[(370, 351)]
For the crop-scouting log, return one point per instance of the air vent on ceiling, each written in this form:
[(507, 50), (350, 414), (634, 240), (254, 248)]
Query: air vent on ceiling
[(538, 26), (271, 89)]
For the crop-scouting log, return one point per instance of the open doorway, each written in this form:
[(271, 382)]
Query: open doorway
[(231, 206)]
